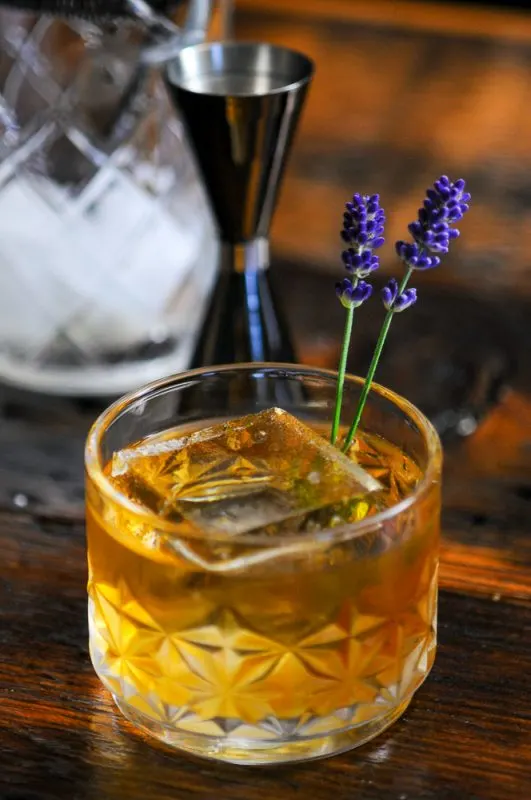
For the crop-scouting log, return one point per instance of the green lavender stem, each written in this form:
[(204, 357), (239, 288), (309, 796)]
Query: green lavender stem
[(341, 374), (373, 365)]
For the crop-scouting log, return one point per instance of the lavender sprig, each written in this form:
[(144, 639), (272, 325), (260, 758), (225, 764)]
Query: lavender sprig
[(445, 204), (363, 227)]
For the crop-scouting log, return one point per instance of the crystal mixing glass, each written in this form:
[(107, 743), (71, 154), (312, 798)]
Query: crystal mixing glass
[(107, 246)]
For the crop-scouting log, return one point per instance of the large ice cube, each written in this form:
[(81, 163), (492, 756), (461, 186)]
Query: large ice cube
[(264, 471)]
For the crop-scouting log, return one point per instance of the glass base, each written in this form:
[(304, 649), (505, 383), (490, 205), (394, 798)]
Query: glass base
[(255, 753)]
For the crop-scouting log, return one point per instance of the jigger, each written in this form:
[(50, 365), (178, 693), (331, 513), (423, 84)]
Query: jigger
[(240, 103)]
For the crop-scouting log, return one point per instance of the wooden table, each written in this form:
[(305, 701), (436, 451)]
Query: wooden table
[(463, 354)]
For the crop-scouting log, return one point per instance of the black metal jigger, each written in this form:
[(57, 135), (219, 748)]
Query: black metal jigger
[(240, 103)]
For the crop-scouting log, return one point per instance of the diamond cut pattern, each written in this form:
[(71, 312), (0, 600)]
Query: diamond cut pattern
[(110, 203), (337, 641), (221, 678)]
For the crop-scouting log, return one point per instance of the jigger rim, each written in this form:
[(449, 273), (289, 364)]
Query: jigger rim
[(289, 59)]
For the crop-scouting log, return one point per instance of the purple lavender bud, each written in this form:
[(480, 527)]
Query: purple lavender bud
[(360, 264), (445, 204), (351, 259), (405, 300), (342, 287), (416, 229), (361, 293), (427, 262), (442, 187), (389, 293), (397, 302), (371, 266), (415, 256), (406, 250), (352, 295), (363, 224)]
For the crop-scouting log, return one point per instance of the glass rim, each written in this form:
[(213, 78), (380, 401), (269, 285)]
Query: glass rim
[(94, 467)]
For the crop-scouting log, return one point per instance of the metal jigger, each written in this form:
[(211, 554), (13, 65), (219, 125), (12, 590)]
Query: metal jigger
[(240, 103)]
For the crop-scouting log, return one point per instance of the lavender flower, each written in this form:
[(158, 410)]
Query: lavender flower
[(363, 227), (352, 295), (412, 255), (445, 204), (360, 264), (363, 221), (393, 301)]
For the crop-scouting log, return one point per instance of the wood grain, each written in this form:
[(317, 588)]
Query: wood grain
[(61, 737), (466, 735), (428, 101)]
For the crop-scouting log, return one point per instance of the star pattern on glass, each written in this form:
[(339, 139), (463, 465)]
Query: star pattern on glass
[(218, 675)]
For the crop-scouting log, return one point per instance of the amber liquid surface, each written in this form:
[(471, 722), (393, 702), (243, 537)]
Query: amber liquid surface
[(296, 646)]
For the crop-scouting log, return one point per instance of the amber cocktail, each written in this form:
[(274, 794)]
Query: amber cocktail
[(255, 595)]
